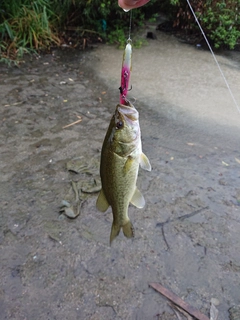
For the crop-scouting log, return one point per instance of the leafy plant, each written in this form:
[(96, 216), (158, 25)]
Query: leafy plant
[(118, 37), (219, 19), (25, 27), (28, 25), (222, 22)]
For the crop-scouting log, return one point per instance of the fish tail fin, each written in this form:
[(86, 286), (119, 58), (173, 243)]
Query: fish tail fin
[(128, 230), (114, 232)]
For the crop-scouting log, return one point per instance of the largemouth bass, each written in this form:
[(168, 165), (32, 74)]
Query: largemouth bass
[(120, 159)]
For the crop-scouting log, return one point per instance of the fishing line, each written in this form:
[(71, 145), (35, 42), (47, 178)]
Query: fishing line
[(130, 27), (224, 78)]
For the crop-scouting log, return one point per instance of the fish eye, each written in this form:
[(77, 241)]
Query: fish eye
[(119, 125)]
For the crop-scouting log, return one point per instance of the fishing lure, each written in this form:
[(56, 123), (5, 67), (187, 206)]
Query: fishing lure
[(126, 70)]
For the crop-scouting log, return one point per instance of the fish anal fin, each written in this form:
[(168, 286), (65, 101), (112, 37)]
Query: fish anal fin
[(128, 230), (138, 199), (102, 203), (145, 163)]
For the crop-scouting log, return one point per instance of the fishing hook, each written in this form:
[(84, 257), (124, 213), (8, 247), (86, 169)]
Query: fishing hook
[(121, 89)]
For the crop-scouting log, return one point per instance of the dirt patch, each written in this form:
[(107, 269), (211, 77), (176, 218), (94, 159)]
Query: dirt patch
[(53, 267)]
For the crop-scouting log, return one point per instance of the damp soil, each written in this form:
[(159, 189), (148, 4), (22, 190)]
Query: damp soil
[(187, 236)]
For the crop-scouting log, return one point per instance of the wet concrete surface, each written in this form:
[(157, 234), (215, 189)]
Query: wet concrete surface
[(187, 236)]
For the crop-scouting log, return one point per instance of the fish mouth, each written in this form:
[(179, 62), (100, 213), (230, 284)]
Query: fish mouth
[(128, 112)]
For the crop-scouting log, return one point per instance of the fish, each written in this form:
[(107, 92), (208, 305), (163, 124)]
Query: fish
[(121, 157)]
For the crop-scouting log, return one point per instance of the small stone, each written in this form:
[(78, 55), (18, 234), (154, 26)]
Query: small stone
[(234, 312), (215, 301)]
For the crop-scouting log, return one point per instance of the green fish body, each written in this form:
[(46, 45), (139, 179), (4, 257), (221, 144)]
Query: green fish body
[(120, 159)]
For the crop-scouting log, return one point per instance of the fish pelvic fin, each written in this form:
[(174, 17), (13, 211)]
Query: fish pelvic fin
[(145, 163), (102, 203), (138, 199)]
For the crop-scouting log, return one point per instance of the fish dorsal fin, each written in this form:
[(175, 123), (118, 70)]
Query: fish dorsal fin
[(144, 162), (102, 203), (138, 199)]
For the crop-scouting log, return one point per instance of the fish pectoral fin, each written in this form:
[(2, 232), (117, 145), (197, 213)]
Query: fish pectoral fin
[(102, 203), (128, 165), (138, 199), (145, 163)]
